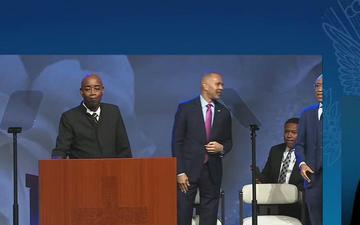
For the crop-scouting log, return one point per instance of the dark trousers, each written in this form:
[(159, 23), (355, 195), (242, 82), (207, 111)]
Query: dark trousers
[(313, 198), (209, 200)]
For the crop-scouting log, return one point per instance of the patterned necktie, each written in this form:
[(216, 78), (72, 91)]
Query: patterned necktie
[(285, 167), (208, 127), (94, 116)]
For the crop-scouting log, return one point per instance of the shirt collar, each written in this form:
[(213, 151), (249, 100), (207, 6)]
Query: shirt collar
[(204, 102), (90, 111)]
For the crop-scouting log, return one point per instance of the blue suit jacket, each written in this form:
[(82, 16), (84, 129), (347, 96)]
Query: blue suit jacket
[(189, 138), (308, 148)]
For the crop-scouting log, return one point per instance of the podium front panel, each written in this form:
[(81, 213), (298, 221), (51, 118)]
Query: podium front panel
[(108, 192)]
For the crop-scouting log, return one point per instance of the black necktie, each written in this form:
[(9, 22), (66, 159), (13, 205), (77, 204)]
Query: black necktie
[(93, 117)]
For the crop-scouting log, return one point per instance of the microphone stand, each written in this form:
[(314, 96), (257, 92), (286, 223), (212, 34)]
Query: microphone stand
[(15, 131), (253, 129)]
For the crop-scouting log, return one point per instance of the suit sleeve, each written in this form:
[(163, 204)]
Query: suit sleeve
[(265, 176), (227, 143), (301, 140), (123, 149), (178, 136), (64, 139)]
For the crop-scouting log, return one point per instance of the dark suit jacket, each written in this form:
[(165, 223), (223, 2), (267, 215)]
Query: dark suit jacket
[(80, 137), (309, 141), (189, 138), (271, 171)]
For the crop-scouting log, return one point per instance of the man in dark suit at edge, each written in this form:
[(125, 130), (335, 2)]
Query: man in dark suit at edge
[(201, 137), (309, 152), (92, 129)]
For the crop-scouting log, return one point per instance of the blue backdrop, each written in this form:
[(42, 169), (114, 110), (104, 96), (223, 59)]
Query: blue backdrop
[(325, 27), (147, 89)]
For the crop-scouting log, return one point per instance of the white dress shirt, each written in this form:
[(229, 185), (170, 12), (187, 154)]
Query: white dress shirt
[(98, 111), (320, 110)]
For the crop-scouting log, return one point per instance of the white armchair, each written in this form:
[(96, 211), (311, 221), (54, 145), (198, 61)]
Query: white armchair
[(270, 194)]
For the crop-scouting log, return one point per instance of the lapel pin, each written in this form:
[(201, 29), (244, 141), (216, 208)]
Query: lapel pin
[(219, 110)]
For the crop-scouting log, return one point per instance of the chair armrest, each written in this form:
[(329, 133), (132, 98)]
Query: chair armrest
[(241, 207)]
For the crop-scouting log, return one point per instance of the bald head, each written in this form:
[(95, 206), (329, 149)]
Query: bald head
[(91, 76), (212, 86), (92, 90)]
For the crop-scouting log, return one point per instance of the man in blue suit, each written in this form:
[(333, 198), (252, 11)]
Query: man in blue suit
[(309, 151), (201, 137)]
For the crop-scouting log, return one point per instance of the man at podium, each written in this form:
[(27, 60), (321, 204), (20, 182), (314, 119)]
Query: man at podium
[(201, 137), (92, 129)]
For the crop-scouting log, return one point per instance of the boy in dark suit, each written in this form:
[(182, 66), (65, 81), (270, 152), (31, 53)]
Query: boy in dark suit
[(281, 167), (277, 156)]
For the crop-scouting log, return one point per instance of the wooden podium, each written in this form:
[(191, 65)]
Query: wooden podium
[(108, 191)]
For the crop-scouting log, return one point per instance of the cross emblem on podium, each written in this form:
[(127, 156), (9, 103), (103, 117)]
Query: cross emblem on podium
[(111, 213)]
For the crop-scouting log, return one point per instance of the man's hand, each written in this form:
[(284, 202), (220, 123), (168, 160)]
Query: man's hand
[(303, 171), (214, 147), (183, 182)]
